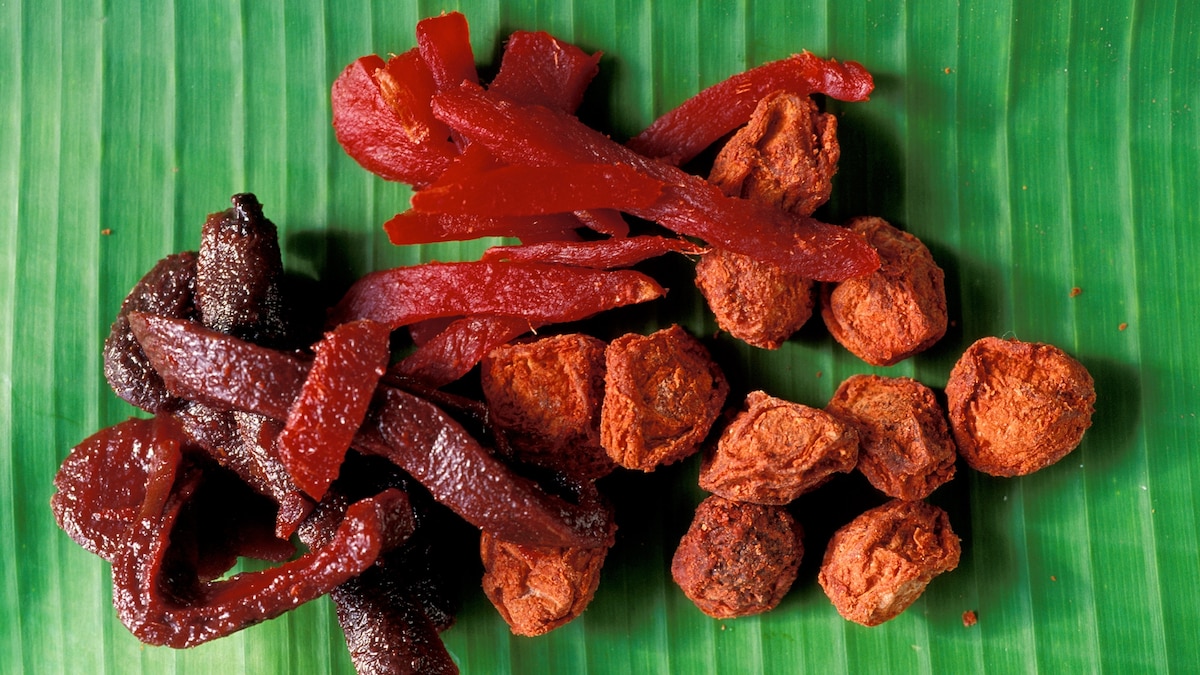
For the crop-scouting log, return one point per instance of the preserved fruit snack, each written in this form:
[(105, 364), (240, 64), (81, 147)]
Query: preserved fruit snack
[(537, 589), (736, 558), (878, 564), (1017, 407), (905, 449), (662, 393), (545, 396), (776, 450), (894, 312)]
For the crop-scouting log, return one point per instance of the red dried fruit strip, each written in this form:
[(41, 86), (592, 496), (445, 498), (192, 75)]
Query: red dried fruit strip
[(410, 431), (700, 121), (332, 403), (538, 136), (162, 604), (419, 438), (538, 68), (539, 292), (455, 350), (248, 377), (381, 118), (444, 43), (108, 480), (603, 254), (412, 227), (533, 191)]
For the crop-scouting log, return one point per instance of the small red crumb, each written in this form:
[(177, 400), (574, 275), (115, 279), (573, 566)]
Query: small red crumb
[(970, 618), (1122, 326), (819, 373), (947, 70), (1053, 578), (106, 231), (1075, 291)]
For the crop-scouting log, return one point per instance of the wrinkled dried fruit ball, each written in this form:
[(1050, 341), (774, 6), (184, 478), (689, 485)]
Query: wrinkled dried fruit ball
[(755, 302), (894, 312), (905, 449), (880, 563), (737, 558), (546, 396), (662, 394), (776, 450), (1016, 407), (537, 589), (785, 155)]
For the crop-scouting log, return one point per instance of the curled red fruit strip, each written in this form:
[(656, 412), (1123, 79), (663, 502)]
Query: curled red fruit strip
[(532, 191), (700, 121), (538, 136), (445, 45), (381, 119), (410, 431), (332, 403), (182, 352), (413, 227), (539, 292), (108, 481), (539, 68), (455, 350), (603, 254), (163, 603), (421, 439)]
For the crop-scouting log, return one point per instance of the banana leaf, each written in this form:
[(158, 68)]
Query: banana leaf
[(1048, 153)]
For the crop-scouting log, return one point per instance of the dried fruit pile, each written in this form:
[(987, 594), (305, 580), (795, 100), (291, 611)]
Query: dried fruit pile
[(268, 429)]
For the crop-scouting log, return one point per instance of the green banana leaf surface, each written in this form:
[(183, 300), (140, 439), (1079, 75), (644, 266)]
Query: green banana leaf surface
[(1046, 151)]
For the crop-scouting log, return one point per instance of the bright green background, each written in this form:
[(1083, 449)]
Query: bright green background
[(1034, 145)]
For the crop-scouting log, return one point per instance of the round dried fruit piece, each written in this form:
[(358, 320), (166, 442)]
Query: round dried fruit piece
[(1016, 407), (537, 589), (776, 450), (662, 394), (880, 563), (905, 449), (546, 395), (737, 558), (894, 312)]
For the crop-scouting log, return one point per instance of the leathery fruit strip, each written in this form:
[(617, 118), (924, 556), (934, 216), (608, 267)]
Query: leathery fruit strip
[(332, 403), (682, 133), (539, 292), (157, 616)]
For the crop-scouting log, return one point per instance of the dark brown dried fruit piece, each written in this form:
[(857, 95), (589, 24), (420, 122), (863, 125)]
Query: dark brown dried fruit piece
[(776, 450), (905, 447), (1016, 407), (662, 394), (878, 564), (897, 310), (239, 274), (736, 558), (168, 289)]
